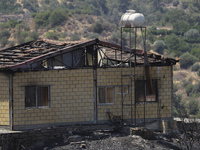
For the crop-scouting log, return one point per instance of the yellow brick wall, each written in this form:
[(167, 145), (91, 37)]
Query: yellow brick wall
[(112, 77), (4, 99), (71, 93)]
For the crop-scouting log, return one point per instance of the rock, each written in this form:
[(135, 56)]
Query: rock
[(74, 138)]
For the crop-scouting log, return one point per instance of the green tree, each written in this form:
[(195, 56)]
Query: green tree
[(195, 66), (52, 35), (24, 34), (74, 37), (192, 33), (195, 52), (4, 41), (159, 46), (20, 40), (186, 60), (57, 17), (11, 43), (34, 35), (176, 45), (193, 107), (5, 33), (189, 89), (198, 72), (13, 23), (97, 27)]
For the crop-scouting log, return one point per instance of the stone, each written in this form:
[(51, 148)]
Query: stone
[(74, 138)]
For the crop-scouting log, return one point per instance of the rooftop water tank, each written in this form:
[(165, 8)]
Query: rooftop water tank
[(132, 19)]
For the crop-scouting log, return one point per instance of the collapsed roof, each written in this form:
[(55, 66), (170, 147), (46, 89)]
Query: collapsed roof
[(46, 54)]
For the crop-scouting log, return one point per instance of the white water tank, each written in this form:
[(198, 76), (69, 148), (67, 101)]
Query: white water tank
[(132, 19)]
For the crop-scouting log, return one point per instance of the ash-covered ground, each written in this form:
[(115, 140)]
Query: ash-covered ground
[(97, 140)]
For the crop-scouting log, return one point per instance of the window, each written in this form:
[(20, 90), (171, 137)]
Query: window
[(125, 90), (36, 96), (140, 85), (106, 95)]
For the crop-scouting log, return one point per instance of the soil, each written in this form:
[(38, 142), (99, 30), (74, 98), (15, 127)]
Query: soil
[(111, 141)]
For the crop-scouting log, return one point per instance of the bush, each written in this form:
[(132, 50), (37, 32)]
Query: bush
[(34, 35), (74, 37), (187, 60), (24, 34), (193, 107), (4, 41), (195, 67), (13, 23), (58, 29), (63, 35), (175, 2), (29, 39), (189, 89), (5, 33), (198, 72), (148, 45), (98, 27), (20, 40), (93, 36), (192, 33), (159, 46), (11, 43), (33, 15), (52, 35), (196, 88), (57, 17)]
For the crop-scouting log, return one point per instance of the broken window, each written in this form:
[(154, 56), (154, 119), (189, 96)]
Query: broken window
[(125, 90), (140, 85), (36, 96), (106, 95)]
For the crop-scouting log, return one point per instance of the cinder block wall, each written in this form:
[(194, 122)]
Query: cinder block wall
[(112, 77), (71, 93), (4, 98)]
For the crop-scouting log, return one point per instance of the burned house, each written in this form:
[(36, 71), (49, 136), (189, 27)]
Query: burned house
[(47, 83)]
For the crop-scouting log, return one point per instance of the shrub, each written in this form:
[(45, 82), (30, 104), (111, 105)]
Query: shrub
[(159, 46), (192, 33), (33, 15), (52, 35), (57, 17), (187, 60), (34, 35), (198, 72), (189, 89), (13, 23), (93, 36), (193, 107), (29, 39), (24, 34), (97, 27), (74, 37), (196, 88), (5, 33), (175, 2), (4, 41), (148, 45), (20, 40), (58, 29), (11, 43), (195, 67), (63, 35)]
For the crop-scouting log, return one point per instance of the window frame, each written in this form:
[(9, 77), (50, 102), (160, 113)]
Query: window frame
[(37, 107), (105, 87), (155, 90), (123, 89)]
